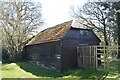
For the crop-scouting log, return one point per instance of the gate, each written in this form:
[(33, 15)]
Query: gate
[(93, 56), (86, 56)]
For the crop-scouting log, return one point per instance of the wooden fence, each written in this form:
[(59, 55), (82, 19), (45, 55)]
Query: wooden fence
[(93, 56)]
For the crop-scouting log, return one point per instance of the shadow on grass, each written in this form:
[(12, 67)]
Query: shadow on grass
[(37, 70), (79, 73), (114, 68), (113, 73)]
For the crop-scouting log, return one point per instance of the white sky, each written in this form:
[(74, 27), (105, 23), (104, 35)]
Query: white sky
[(57, 11)]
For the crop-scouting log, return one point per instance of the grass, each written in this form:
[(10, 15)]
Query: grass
[(37, 70), (27, 70), (113, 69), (14, 71)]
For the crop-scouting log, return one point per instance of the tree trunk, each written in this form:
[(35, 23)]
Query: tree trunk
[(118, 22), (118, 57), (105, 38), (105, 35)]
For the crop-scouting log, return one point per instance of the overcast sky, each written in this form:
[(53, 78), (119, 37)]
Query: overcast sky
[(57, 11)]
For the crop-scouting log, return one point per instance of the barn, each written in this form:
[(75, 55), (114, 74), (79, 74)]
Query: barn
[(56, 47)]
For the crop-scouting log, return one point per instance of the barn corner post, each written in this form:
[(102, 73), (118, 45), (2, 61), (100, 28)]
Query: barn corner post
[(60, 51), (78, 57)]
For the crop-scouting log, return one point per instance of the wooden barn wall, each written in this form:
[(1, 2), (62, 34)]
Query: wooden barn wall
[(70, 41), (60, 55), (90, 39), (45, 54)]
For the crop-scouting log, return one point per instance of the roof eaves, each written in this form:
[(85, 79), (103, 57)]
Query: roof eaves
[(44, 42)]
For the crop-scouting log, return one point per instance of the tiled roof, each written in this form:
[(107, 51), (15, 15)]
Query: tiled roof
[(51, 34)]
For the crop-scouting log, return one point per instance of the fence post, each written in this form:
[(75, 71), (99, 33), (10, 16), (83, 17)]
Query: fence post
[(107, 55), (90, 55), (104, 55), (96, 57), (78, 50), (106, 61)]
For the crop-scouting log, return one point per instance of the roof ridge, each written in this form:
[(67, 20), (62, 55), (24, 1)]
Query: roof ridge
[(63, 23)]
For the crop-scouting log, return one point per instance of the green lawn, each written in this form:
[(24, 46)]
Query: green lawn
[(114, 69), (14, 71), (27, 70)]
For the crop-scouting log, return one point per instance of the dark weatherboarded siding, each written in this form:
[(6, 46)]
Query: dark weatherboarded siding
[(70, 41), (45, 54)]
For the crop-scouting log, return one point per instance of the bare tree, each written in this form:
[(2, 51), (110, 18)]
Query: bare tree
[(99, 16), (18, 21)]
